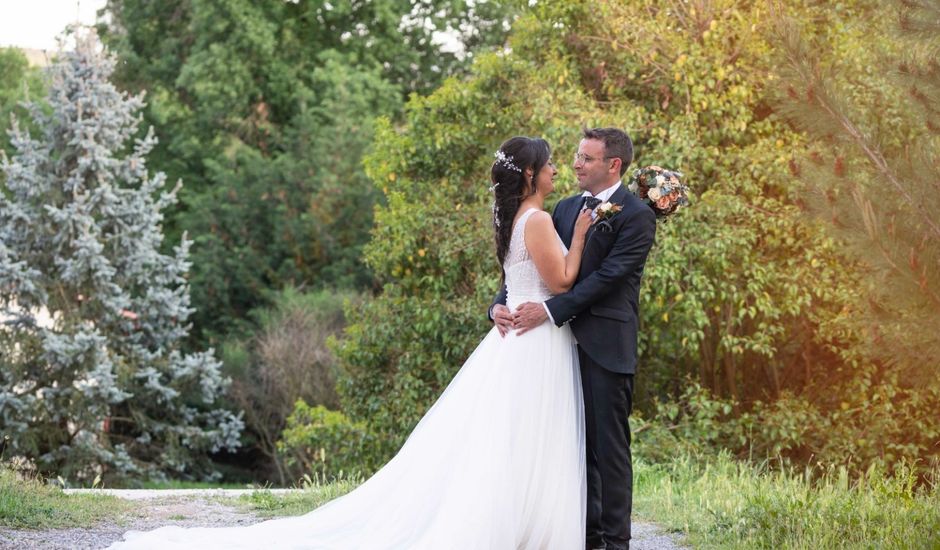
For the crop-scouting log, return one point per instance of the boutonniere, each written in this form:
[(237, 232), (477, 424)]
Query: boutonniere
[(604, 212)]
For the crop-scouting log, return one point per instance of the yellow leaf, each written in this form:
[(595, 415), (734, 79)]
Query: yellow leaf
[(561, 79), (666, 317), (421, 252), (392, 176)]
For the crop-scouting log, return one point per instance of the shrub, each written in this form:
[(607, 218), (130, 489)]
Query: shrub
[(326, 443), (287, 360)]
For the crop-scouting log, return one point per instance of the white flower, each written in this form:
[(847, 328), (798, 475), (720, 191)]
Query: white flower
[(605, 207), (654, 193), (632, 187), (660, 180)]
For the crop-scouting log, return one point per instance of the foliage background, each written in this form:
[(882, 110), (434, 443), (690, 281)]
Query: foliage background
[(328, 150)]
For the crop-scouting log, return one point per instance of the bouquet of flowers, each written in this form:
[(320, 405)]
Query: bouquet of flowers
[(661, 189)]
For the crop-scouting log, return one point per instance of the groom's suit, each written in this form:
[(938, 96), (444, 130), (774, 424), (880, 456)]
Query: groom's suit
[(603, 312)]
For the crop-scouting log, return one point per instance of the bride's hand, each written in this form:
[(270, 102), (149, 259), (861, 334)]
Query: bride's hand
[(583, 223)]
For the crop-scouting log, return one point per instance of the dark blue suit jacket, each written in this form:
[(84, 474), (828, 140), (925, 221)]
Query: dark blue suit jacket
[(603, 305)]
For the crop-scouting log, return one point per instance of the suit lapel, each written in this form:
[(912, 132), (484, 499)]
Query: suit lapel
[(617, 198), (619, 195)]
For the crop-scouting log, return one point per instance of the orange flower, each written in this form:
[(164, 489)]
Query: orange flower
[(663, 203)]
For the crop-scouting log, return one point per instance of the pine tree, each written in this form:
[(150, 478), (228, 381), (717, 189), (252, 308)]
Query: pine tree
[(875, 172), (93, 377)]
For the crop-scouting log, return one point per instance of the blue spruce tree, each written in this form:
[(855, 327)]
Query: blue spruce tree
[(93, 377)]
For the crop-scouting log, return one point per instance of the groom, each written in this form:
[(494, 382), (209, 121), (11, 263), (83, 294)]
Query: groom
[(603, 312)]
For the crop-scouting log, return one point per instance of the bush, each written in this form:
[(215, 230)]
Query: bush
[(870, 425), (287, 360), (326, 443)]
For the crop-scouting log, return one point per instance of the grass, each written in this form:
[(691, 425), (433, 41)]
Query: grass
[(721, 503), (716, 502), (266, 504), (30, 504)]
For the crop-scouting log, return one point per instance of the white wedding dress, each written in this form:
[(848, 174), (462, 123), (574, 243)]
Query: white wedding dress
[(497, 463)]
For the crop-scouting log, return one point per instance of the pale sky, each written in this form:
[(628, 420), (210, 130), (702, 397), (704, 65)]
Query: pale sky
[(36, 23)]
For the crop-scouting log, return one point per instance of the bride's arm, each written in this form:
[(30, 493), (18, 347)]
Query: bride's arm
[(557, 270)]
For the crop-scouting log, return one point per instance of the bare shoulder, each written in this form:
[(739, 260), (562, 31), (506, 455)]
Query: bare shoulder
[(539, 223)]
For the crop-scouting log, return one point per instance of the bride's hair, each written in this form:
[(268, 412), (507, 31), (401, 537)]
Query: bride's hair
[(510, 184)]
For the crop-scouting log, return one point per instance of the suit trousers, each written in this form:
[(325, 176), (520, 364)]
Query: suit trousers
[(608, 401)]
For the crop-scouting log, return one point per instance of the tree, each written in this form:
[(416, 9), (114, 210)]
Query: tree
[(16, 78), (872, 177), (94, 380), (265, 110), (876, 165), (287, 361), (741, 291)]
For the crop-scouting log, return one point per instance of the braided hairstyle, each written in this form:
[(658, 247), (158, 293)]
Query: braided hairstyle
[(510, 185)]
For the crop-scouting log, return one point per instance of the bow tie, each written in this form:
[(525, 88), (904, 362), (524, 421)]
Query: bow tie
[(591, 202)]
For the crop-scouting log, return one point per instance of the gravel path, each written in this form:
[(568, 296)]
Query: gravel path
[(207, 508)]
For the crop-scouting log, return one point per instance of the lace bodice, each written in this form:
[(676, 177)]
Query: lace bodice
[(523, 282)]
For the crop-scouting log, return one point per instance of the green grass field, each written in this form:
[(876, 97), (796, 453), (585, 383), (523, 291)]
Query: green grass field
[(267, 504), (721, 503), (715, 502), (30, 504)]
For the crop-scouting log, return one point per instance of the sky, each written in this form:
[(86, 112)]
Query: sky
[(36, 23)]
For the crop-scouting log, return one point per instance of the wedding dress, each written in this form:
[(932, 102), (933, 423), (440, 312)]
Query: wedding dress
[(497, 463)]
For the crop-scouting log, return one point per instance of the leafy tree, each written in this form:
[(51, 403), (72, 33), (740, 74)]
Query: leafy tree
[(265, 110), (738, 288), (16, 77), (93, 380)]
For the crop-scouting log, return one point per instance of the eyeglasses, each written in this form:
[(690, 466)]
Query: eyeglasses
[(584, 159)]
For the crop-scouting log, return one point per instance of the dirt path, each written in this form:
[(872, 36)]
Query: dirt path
[(206, 508)]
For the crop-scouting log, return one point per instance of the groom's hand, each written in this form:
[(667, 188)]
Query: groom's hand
[(502, 317), (528, 316)]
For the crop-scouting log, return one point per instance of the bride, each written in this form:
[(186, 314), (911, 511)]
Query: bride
[(498, 462)]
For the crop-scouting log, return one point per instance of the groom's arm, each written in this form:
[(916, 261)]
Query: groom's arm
[(499, 299), (499, 314), (629, 252)]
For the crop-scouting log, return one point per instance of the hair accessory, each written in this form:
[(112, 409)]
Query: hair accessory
[(493, 187), (506, 160)]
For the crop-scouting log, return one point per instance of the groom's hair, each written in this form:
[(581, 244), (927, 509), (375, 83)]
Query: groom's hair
[(617, 144)]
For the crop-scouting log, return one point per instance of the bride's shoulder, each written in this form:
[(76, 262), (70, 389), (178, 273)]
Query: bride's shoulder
[(539, 221)]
